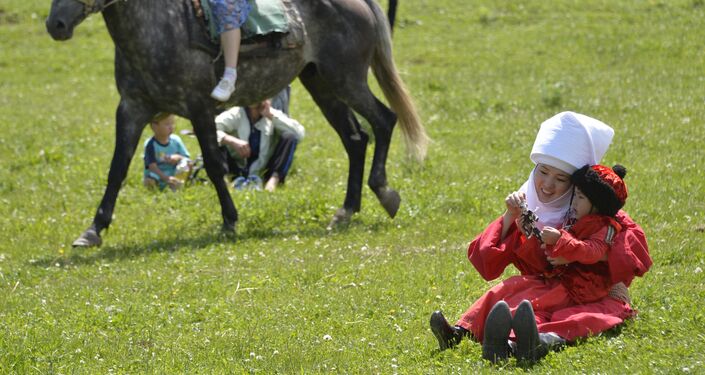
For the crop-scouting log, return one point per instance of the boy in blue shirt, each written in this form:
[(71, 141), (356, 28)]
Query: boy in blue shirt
[(162, 153)]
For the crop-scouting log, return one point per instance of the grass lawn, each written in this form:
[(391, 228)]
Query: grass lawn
[(166, 293)]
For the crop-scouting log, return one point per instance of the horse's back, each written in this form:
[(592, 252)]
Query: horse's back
[(338, 32)]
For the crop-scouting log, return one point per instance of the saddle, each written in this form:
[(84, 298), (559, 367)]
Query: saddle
[(271, 25)]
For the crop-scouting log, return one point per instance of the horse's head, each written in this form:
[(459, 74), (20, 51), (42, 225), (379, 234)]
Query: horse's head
[(66, 14)]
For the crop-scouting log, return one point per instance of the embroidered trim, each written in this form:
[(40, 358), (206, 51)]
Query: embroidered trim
[(621, 292), (610, 234)]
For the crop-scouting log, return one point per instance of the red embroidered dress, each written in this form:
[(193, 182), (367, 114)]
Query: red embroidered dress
[(571, 301)]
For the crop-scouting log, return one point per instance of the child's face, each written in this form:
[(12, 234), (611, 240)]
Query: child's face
[(581, 204), (550, 182), (164, 128)]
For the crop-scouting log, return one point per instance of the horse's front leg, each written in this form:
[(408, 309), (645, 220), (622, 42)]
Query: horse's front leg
[(203, 121), (130, 120)]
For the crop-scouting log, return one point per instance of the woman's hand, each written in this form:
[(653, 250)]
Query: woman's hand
[(514, 202)]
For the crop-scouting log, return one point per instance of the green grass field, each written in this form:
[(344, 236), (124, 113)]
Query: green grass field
[(166, 293)]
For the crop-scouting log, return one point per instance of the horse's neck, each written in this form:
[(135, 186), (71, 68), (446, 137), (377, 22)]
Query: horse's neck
[(139, 26)]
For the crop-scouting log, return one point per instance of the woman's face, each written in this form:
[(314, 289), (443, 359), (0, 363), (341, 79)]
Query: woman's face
[(550, 182)]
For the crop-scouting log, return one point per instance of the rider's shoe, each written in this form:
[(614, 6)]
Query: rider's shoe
[(224, 89)]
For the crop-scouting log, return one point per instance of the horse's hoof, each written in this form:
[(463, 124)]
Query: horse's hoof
[(342, 216), (89, 238), (228, 227), (228, 231), (390, 200)]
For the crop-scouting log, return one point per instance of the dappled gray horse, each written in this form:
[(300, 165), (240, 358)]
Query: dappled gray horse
[(157, 70)]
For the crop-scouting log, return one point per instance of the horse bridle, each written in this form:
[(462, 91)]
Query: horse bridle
[(89, 6)]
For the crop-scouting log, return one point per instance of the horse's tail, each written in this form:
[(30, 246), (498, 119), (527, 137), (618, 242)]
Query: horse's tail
[(394, 89)]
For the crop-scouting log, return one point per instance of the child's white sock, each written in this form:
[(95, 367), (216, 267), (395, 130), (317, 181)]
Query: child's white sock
[(230, 74)]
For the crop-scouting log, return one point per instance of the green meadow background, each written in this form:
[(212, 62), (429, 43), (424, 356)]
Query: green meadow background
[(166, 293)]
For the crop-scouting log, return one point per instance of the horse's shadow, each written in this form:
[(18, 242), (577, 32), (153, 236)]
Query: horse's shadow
[(176, 242), (119, 252)]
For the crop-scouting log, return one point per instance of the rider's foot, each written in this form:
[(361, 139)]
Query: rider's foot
[(225, 88)]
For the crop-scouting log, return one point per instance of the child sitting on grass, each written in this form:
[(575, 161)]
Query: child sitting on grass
[(578, 256), (578, 250), (162, 153)]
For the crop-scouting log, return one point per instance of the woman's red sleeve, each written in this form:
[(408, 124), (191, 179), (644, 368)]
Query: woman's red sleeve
[(489, 253)]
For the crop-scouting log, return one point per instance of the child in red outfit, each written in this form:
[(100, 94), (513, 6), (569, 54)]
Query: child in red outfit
[(578, 252), (572, 299)]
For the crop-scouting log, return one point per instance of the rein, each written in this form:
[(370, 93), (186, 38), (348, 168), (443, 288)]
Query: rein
[(90, 7)]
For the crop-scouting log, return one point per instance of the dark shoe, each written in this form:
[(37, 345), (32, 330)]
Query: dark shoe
[(446, 335), (529, 346), (551, 341), (497, 326)]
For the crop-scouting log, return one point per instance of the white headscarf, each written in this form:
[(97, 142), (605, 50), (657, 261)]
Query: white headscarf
[(566, 141)]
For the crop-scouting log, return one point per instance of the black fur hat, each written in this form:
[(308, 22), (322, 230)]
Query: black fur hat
[(603, 186)]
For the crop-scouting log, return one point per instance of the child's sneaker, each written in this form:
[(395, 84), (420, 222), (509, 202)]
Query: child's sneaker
[(254, 183), (224, 89), (240, 183)]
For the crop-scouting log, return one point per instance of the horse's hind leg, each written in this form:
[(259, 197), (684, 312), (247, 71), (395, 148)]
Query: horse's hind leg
[(354, 140), (382, 120), (130, 120), (204, 127)]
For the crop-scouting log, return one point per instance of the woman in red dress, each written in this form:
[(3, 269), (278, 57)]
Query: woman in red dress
[(564, 143)]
